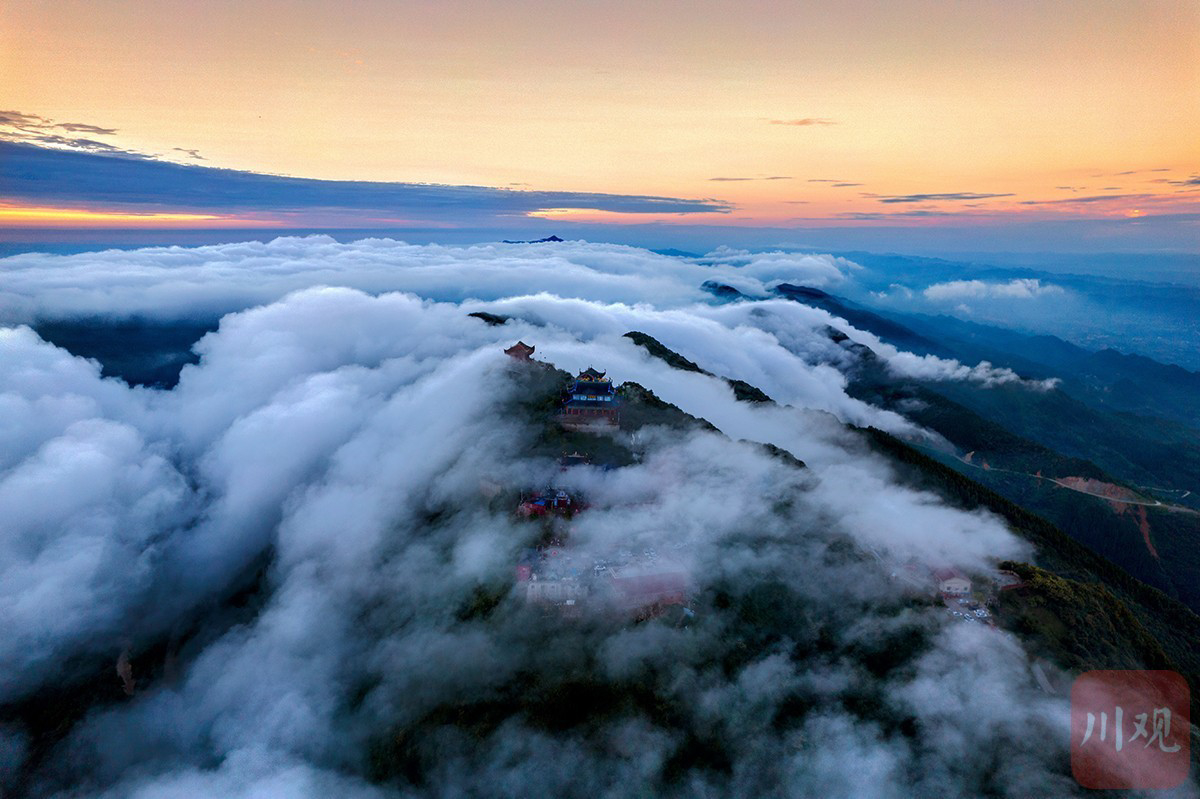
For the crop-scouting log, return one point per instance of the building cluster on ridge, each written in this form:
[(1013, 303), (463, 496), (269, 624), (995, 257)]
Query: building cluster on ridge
[(556, 576), (963, 598), (553, 574)]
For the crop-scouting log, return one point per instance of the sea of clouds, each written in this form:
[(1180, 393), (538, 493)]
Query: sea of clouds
[(329, 449)]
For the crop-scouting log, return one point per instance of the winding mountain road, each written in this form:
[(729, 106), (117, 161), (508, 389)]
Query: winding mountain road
[(1153, 503)]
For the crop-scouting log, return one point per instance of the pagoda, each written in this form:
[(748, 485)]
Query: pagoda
[(590, 402), (519, 351)]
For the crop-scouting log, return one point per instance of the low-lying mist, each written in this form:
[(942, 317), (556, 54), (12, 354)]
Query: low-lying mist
[(292, 574)]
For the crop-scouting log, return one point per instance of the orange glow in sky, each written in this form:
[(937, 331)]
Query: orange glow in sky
[(36, 216), (787, 111)]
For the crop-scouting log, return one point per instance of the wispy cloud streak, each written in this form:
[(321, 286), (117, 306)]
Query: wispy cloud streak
[(803, 123)]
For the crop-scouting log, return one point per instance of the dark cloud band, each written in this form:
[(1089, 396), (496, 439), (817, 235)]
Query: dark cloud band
[(48, 176)]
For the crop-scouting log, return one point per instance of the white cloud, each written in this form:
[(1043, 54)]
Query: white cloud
[(931, 367), (1018, 288), (340, 438), (206, 282), (174, 282)]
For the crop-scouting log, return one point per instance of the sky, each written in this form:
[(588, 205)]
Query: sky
[(1016, 121)]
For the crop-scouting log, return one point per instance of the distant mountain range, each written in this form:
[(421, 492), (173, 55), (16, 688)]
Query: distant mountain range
[(1095, 601), (1118, 420), (546, 240)]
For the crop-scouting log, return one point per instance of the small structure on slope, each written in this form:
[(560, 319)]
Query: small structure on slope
[(574, 459), (635, 587), (1007, 580), (551, 501), (549, 576), (952, 582), (646, 594)]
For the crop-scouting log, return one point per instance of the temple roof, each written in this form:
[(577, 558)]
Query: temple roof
[(590, 374), (582, 390), (521, 351)]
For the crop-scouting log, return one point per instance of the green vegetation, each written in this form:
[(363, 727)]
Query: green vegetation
[(540, 400), (1114, 533), (971, 432), (1081, 625), (641, 407), (779, 453), (667, 356), (1137, 450), (563, 686), (538, 404), (1105, 615), (1075, 608)]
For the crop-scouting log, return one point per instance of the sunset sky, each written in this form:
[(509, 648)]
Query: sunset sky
[(773, 115)]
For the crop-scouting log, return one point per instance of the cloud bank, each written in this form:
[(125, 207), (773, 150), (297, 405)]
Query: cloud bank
[(1020, 288), (330, 457), (953, 196), (203, 283)]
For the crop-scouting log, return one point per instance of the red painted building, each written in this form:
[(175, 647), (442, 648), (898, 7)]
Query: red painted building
[(551, 501)]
